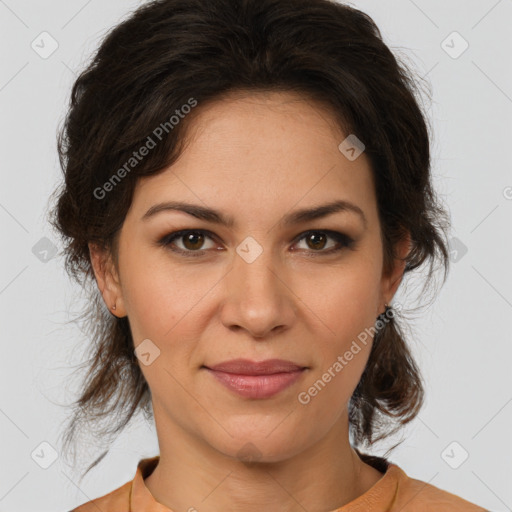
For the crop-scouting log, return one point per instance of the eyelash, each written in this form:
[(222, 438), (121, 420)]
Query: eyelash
[(343, 240)]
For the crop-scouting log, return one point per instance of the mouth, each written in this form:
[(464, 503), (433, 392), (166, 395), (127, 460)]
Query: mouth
[(256, 380)]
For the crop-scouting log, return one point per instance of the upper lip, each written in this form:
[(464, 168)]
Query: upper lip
[(248, 367)]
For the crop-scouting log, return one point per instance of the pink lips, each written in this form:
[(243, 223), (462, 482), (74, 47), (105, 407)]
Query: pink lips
[(252, 379)]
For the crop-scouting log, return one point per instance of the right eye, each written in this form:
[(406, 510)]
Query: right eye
[(191, 239)]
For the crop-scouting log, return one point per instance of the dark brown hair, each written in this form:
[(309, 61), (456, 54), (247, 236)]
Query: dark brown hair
[(170, 53)]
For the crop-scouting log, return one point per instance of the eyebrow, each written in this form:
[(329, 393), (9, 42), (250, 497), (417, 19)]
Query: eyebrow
[(296, 217)]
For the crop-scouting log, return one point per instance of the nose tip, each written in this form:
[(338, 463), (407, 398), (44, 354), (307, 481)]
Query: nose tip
[(256, 298)]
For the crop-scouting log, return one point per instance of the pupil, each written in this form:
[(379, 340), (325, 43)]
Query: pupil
[(189, 239), (312, 238)]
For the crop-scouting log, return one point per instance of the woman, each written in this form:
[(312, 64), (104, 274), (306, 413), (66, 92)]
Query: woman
[(246, 184)]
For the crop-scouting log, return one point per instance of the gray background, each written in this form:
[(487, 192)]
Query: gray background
[(462, 343)]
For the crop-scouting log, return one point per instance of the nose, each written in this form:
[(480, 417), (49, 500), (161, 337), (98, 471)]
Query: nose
[(257, 298)]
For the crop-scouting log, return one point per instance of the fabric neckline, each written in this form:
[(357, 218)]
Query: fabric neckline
[(380, 495)]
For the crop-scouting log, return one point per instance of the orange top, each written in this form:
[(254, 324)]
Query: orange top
[(394, 492)]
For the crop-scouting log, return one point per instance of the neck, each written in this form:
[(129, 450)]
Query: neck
[(193, 475)]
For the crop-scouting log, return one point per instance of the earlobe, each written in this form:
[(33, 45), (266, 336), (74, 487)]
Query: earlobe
[(107, 279)]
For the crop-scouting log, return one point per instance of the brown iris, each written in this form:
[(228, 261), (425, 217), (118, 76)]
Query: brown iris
[(193, 240), (314, 237)]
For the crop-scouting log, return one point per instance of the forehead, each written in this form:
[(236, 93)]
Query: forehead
[(259, 151), (266, 114)]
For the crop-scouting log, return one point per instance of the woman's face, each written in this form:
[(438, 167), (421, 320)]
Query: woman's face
[(258, 288)]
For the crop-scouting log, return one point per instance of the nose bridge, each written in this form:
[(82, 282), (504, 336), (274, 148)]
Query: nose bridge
[(257, 299), (254, 267)]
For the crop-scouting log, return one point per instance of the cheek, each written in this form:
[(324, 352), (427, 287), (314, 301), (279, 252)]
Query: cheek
[(327, 392), (166, 305), (344, 301), (346, 310), (341, 356), (149, 304), (158, 295), (162, 308)]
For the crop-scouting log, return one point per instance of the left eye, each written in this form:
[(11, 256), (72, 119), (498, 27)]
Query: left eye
[(316, 241)]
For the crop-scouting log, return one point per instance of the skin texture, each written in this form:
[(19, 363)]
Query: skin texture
[(256, 158)]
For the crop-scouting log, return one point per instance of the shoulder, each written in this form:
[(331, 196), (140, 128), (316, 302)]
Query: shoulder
[(116, 501), (418, 496)]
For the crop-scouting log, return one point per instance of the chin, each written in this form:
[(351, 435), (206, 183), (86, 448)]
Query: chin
[(257, 446)]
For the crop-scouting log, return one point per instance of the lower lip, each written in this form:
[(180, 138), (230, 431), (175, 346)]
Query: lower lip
[(257, 386)]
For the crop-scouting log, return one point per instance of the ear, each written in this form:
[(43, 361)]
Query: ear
[(391, 280), (107, 279)]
